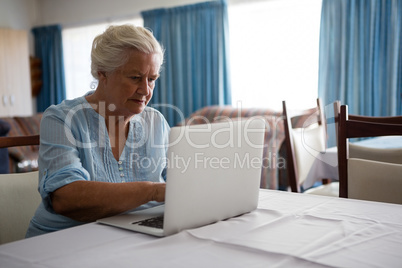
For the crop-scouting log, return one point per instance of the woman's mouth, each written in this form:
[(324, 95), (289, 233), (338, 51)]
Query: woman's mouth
[(139, 101)]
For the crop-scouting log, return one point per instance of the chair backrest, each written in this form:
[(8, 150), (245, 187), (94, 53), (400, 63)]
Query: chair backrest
[(337, 110), (365, 178), (305, 137), (388, 155), (19, 141), (374, 181), (19, 196)]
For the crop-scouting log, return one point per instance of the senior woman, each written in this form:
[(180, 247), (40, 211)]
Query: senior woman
[(103, 154)]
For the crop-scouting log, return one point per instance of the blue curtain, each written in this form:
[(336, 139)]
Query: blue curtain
[(361, 55), (48, 47), (196, 68)]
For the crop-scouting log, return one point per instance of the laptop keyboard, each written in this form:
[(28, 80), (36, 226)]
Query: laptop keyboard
[(156, 222)]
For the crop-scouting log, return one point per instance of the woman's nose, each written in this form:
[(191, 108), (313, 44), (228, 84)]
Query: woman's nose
[(144, 88)]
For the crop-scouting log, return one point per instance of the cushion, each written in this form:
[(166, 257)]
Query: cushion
[(5, 165), (308, 143), (374, 181), (4, 128)]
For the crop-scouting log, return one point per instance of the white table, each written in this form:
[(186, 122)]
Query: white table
[(326, 164), (287, 230)]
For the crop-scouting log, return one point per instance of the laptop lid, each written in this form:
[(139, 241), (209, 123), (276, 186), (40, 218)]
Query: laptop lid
[(213, 173)]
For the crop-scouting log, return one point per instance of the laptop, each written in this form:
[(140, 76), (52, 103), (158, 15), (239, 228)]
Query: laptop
[(213, 173)]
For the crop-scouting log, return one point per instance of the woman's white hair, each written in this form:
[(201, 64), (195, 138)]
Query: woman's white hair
[(110, 50)]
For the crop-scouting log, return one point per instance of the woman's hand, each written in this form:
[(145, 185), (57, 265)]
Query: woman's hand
[(159, 192)]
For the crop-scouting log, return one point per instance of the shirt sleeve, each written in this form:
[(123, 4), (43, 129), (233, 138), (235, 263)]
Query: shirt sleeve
[(59, 160)]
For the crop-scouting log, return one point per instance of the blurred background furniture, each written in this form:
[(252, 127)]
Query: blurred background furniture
[(19, 199), (15, 85), (21, 158), (305, 138), (369, 174), (4, 158), (386, 148), (19, 196), (326, 163), (384, 154), (274, 136)]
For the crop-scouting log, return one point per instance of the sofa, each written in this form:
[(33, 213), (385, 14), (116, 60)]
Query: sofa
[(273, 161), (23, 158)]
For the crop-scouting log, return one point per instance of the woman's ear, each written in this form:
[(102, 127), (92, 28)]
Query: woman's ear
[(102, 76)]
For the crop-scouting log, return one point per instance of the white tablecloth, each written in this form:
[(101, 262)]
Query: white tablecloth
[(287, 230)]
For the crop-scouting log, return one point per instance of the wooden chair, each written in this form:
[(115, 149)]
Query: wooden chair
[(369, 153), (19, 197), (6, 142), (305, 138), (337, 111), (367, 173)]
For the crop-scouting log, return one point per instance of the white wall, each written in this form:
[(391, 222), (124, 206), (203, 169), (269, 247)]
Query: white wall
[(70, 13), (26, 14), (18, 14), (80, 12)]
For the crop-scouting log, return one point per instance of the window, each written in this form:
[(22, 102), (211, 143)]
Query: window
[(77, 44), (274, 48)]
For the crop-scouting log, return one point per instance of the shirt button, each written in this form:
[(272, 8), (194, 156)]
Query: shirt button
[(120, 162), (120, 168), (121, 174)]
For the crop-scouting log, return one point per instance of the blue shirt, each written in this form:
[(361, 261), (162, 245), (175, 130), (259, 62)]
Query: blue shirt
[(75, 146)]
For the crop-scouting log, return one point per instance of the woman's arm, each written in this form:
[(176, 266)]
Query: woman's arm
[(87, 201)]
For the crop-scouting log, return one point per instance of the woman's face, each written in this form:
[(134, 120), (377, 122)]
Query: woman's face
[(129, 88)]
